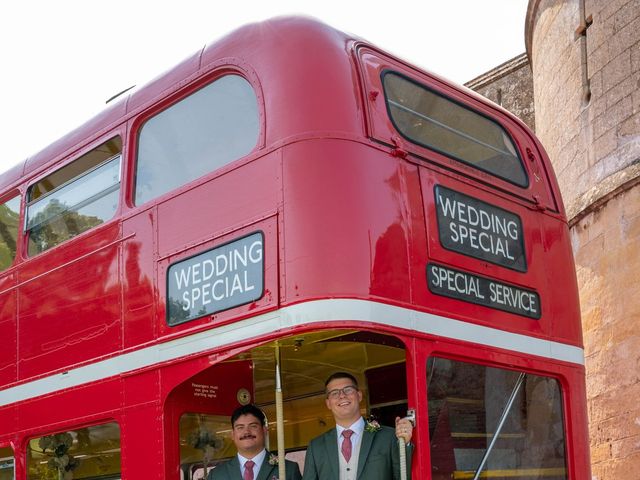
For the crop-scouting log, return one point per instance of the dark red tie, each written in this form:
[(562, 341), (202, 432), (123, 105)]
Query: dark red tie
[(248, 470), (346, 444)]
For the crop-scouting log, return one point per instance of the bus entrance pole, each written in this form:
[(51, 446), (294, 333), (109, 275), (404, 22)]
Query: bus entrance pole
[(279, 417), (402, 450)]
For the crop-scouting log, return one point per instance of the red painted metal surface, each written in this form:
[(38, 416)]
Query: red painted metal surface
[(344, 215)]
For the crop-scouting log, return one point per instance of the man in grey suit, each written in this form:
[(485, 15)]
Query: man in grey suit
[(355, 449), (253, 461)]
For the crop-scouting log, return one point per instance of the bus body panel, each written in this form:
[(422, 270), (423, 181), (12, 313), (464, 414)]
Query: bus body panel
[(8, 327), (69, 303)]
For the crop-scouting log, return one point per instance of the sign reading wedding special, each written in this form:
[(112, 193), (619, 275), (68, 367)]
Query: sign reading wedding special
[(477, 229), (218, 279)]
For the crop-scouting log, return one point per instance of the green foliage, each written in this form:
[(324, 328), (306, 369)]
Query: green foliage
[(8, 235), (58, 446), (58, 224)]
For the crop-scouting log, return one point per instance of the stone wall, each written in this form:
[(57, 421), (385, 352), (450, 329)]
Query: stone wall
[(606, 251), (587, 106), (510, 85)]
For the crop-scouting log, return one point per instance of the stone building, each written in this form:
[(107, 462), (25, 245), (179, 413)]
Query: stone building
[(510, 85), (585, 61)]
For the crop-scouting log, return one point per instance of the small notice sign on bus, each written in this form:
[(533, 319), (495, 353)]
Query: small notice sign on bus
[(224, 277), (477, 229)]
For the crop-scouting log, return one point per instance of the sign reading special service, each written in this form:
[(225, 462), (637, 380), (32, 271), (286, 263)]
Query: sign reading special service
[(477, 229), (468, 287), (218, 279)]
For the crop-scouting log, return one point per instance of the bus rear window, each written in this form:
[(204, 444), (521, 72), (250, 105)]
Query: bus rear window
[(433, 121)]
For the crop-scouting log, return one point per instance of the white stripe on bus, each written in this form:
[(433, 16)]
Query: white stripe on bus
[(306, 313)]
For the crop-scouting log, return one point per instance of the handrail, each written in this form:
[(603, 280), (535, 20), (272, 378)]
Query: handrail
[(503, 419)]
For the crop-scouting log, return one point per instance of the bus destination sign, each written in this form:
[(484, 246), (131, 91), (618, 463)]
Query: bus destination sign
[(484, 291), (477, 229), (219, 279)]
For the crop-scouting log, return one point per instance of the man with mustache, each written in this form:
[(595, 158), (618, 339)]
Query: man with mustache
[(355, 449), (248, 432)]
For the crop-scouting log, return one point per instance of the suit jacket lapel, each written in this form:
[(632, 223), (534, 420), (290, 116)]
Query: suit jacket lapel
[(331, 449), (233, 468), (267, 470), (365, 447)]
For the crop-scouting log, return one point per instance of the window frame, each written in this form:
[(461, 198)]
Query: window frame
[(111, 188), (4, 199), (58, 166), (8, 446), (504, 362), (228, 66), (97, 422), (377, 125), (446, 98)]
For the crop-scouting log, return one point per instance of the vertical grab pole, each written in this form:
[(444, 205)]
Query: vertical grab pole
[(402, 450), (403, 458), (503, 419), (279, 417)]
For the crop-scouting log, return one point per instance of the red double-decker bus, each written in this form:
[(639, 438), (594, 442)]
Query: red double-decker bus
[(289, 196)]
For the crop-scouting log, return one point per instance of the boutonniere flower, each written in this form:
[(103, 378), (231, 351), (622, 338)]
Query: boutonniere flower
[(273, 459), (372, 426)]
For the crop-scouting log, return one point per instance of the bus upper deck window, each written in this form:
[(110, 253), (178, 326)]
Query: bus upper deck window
[(75, 198), (206, 130), (9, 213), (433, 121)]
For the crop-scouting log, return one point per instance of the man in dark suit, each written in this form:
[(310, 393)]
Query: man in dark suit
[(253, 461), (355, 449)]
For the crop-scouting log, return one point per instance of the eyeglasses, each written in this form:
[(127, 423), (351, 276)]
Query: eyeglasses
[(346, 391)]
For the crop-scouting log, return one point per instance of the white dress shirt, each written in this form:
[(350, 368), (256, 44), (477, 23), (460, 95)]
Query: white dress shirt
[(348, 470), (258, 459)]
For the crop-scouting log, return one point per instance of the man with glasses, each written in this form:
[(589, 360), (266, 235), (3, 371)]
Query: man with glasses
[(355, 449), (253, 461)]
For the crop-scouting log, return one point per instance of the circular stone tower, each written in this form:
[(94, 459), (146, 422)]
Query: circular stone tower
[(585, 58)]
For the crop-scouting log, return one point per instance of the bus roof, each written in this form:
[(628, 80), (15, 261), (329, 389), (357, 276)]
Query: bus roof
[(291, 61), (271, 49)]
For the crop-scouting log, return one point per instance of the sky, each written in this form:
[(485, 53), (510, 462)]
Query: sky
[(61, 60)]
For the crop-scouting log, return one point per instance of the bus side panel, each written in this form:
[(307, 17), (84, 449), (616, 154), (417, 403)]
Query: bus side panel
[(9, 422), (144, 443), (141, 426), (69, 301), (8, 329), (229, 201), (575, 404), (237, 203), (563, 302), (73, 406), (348, 227), (139, 277)]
